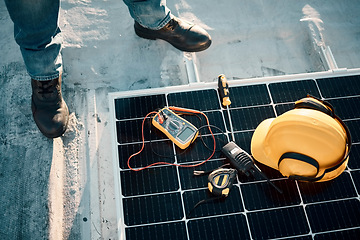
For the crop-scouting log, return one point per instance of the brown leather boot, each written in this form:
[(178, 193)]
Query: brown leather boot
[(49, 109), (184, 36)]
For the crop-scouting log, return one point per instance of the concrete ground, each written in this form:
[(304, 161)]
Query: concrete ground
[(63, 188)]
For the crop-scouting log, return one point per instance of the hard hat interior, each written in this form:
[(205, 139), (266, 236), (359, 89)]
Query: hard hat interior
[(294, 167)]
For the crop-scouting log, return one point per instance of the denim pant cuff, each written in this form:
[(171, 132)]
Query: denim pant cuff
[(45, 78)]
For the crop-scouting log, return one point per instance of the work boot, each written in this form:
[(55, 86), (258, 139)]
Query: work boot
[(181, 34), (49, 109)]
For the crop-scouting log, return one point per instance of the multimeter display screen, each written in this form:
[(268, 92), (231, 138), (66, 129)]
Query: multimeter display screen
[(185, 134)]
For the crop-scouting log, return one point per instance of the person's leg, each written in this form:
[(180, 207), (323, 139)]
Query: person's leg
[(152, 14), (37, 33), (153, 20)]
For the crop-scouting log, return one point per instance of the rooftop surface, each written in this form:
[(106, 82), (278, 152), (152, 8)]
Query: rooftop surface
[(64, 188)]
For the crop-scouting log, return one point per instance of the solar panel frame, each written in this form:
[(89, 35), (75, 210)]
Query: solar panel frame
[(291, 215)]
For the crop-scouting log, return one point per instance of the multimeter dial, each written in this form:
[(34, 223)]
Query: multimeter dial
[(174, 125)]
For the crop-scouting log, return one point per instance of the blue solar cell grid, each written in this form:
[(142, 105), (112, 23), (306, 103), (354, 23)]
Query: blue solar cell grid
[(156, 201)]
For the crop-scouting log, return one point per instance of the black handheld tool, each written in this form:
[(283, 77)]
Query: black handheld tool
[(242, 161)]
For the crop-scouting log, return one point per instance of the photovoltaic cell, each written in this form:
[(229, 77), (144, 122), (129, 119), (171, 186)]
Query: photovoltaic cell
[(232, 204), (282, 108), (334, 215), (147, 156), (345, 234), (243, 139), (339, 86), (225, 227), (155, 202), (302, 238), (325, 191), (138, 107), (354, 126), (152, 209), (346, 108), (262, 195), (130, 131), (283, 222), (356, 178), (173, 231), (292, 91), (354, 162), (189, 181), (197, 151), (151, 180), (269, 173), (215, 118), (249, 96), (249, 118), (200, 100)]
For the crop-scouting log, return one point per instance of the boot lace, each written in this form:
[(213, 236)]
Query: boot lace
[(172, 24), (46, 89)]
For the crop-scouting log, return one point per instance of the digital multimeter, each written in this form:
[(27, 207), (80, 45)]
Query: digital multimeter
[(177, 129)]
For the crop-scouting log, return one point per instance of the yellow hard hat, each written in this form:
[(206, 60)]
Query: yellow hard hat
[(307, 143)]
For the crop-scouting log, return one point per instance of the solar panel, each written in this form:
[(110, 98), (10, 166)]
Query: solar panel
[(155, 202)]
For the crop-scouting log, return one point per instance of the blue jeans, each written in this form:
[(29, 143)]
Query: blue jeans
[(36, 30)]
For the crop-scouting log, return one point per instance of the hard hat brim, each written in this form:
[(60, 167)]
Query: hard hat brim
[(259, 147)]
